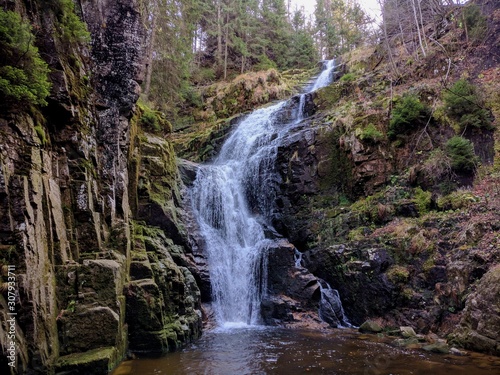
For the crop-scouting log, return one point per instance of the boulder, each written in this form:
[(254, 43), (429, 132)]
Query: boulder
[(370, 326), (407, 332), (357, 271), (291, 288)]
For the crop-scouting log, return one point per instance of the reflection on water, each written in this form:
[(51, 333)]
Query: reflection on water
[(255, 351)]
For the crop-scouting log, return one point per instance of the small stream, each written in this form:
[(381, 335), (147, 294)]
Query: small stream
[(266, 350)]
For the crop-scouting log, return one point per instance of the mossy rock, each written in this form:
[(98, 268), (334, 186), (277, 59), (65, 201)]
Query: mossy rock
[(370, 327), (93, 362)]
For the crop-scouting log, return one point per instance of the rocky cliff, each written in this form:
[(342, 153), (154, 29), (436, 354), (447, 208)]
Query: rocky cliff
[(89, 204)]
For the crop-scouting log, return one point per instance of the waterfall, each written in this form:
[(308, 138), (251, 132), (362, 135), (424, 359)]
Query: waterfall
[(325, 78), (330, 306), (233, 201)]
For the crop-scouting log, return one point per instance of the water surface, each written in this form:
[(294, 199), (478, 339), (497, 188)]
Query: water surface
[(255, 351)]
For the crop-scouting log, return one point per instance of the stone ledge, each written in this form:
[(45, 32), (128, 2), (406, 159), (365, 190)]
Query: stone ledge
[(93, 362)]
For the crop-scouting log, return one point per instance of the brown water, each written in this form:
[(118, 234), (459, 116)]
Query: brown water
[(279, 351)]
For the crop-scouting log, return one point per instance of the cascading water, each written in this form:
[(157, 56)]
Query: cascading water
[(330, 306), (325, 78), (232, 228)]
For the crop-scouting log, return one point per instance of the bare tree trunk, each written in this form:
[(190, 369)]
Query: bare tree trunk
[(149, 65), (219, 34), (402, 35), (418, 28), (386, 37), (226, 37), (422, 23)]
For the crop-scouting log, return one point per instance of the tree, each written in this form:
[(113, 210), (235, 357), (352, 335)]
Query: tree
[(340, 26), (276, 30), (23, 74), (302, 52), (171, 25)]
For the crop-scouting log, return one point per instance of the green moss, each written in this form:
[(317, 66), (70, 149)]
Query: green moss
[(371, 134), (428, 264), (348, 77), (357, 234), (329, 96), (422, 200), (151, 120), (398, 274), (41, 134), (457, 200), (102, 357)]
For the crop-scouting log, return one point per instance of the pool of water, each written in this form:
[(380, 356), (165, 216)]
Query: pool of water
[(254, 351)]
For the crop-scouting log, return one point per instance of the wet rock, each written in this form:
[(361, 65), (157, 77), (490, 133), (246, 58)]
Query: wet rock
[(277, 310), (457, 352), (330, 308), (94, 362), (290, 288), (410, 343), (358, 273), (370, 326), (407, 332), (438, 347), (187, 170), (163, 311)]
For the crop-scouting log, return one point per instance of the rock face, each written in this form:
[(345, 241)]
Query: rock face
[(480, 323), (291, 289), (415, 269), (362, 284), (75, 177)]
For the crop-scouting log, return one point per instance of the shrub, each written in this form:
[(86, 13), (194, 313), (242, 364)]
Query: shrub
[(265, 63), (457, 200), (406, 115), (398, 274), (437, 167), (371, 134), (461, 154), (23, 74), (422, 200), (464, 105), (348, 77)]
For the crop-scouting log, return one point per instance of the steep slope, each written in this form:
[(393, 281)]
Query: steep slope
[(384, 208)]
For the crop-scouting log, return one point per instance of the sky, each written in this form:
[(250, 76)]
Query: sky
[(370, 6)]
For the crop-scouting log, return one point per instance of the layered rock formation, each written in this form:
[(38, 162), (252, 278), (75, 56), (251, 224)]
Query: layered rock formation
[(93, 275)]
